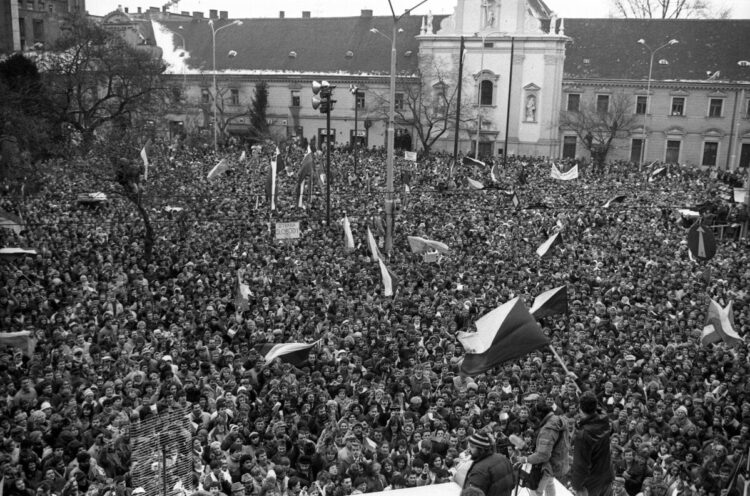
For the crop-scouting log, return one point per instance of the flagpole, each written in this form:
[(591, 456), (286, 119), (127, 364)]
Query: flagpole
[(565, 367)]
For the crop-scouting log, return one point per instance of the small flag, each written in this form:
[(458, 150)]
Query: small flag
[(552, 302), (616, 199), (389, 280), (720, 325), (474, 184), (472, 161), (218, 169), (243, 157), (271, 191), (740, 195), (144, 157), (544, 248), (516, 201), (294, 353), (348, 238), (301, 193), (11, 221), (656, 173), (494, 173), (374, 251), (421, 245), (506, 333)]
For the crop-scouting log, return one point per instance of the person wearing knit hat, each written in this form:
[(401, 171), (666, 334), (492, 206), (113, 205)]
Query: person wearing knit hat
[(491, 472), (591, 473)]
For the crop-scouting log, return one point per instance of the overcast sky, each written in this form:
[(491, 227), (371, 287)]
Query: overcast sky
[(332, 8)]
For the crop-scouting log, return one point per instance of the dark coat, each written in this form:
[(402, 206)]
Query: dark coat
[(592, 464), (552, 446), (493, 474)]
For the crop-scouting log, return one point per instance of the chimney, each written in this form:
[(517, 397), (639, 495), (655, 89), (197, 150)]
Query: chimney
[(223, 14), (305, 14), (140, 10), (164, 9), (127, 10), (153, 9), (281, 14), (213, 14), (366, 12), (198, 15)]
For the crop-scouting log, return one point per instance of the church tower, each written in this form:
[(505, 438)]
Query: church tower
[(514, 52)]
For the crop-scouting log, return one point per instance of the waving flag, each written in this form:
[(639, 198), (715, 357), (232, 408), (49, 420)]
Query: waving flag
[(390, 282), (564, 176), (615, 199), (421, 245), (271, 188), (516, 201), (218, 169), (493, 173), (144, 157), (506, 333), (374, 251), (11, 221), (472, 161), (348, 238), (553, 240), (294, 353), (656, 173), (304, 177), (474, 184), (552, 302), (720, 326)]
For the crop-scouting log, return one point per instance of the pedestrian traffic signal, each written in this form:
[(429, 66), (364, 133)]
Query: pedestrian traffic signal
[(324, 102)]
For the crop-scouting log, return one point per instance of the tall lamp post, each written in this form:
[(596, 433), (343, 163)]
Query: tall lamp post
[(745, 64), (215, 30), (354, 90), (644, 148), (391, 127)]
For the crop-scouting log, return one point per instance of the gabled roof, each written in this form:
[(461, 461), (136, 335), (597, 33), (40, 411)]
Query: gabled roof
[(321, 45), (609, 49)]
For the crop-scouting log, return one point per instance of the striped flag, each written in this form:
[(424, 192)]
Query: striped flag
[(553, 240), (552, 302), (144, 157), (374, 251), (720, 325), (348, 238), (474, 184), (218, 169), (615, 199), (271, 187), (390, 282), (11, 221), (506, 333), (421, 245), (294, 353)]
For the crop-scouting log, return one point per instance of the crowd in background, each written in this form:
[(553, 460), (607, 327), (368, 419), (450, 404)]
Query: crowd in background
[(379, 402)]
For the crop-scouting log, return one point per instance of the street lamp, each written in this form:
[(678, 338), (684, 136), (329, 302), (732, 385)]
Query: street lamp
[(391, 126), (215, 30), (325, 104), (354, 90), (745, 64), (646, 118)]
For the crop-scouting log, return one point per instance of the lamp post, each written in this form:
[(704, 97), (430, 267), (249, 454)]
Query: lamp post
[(746, 64), (215, 30), (354, 91), (646, 119), (391, 126), (325, 104), (479, 96)]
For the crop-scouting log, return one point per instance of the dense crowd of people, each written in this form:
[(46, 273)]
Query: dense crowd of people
[(379, 403)]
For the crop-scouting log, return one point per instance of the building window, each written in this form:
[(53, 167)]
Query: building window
[(678, 105), (234, 96), (574, 102), (710, 152), (22, 34), (399, 103), (38, 30), (176, 94), (673, 152), (641, 105), (486, 89), (295, 98), (30, 4), (360, 99), (52, 8), (636, 149), (715, 106), (602, 104), (205, 95), (569, 147)]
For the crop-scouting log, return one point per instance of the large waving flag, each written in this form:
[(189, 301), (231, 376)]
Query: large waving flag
[(552, 302), (218, 169), (348, 238), (474, 184), (373, 245), (11, 221), (271, 186), (506, 333), (564, 176), (544, 248), (294, 353), (720, 326), (390, 282), (494, 173), (421, 245)]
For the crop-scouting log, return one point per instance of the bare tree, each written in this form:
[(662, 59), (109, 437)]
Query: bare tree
[(597, 125), (427, 103), (670, 9)]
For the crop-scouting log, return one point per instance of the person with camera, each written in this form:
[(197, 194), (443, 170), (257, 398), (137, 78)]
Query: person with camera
[(491, 472), (550, 458)]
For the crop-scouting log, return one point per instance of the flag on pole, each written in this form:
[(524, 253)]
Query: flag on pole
[(144, 157), (516, 201), (720, 325), (494, 173), (506, 333), (552, 302), (422, 245), (271, 190), (218, 169), (390, 282), (348, 238), (305, 175), (11, 221), (472, 161), (544, 248), (615, 199), (374, 251), (243, 156), (474, 184), (656, 173), (294, 353)]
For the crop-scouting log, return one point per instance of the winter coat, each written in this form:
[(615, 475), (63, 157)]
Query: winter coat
[(592, 464), (552, 446), (493, 474)]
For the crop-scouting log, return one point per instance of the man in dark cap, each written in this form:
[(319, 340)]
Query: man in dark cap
[(491, 472), (591, 473)]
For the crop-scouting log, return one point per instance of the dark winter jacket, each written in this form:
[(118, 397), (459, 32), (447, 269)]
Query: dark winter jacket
[(592, 464), (552, 446), (493, 474)]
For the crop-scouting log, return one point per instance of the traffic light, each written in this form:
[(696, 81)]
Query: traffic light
[(324, 102)]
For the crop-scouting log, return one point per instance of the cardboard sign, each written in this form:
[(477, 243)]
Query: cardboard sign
[(287, 230), (410, 156)]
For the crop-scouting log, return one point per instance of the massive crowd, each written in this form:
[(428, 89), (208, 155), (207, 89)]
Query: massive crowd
[(379, 403)]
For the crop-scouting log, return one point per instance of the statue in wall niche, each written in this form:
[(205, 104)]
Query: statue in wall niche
[(531, 108), (489, 13)]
